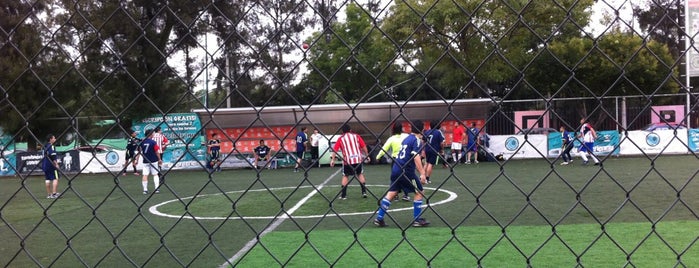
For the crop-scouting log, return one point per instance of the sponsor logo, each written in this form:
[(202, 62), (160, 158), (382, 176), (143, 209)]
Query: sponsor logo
[(511, 143), (652, 139), (112, 158)]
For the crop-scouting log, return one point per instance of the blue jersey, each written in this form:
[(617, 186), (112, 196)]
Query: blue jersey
[(410, 147), (49, 157), (301, 139), (215, 145), (473, 135), (565, 138), (434, 137), (148, 151)]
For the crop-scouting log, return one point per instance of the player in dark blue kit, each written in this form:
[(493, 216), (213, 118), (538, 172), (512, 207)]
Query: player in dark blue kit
[(49, 165), (261, 153), (403, 176), (472, 145), (433, 147), (301, 140), (214, 147), (131, 156), (151, 161)]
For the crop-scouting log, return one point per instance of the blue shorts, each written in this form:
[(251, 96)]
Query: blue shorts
[(472, 147), (403, 180), (50, 173), (431, 158), (587, 147), (299, 155)]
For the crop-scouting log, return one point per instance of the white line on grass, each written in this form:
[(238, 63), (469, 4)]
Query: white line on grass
[(248, 246)]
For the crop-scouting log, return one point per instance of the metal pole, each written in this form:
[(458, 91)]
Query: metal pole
[(206, 68), (228, 87), (687, 58)]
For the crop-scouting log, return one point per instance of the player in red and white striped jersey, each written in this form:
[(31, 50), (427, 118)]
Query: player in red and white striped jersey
[(354, 153)]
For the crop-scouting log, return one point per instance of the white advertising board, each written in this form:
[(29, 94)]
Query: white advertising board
[(656, 142)]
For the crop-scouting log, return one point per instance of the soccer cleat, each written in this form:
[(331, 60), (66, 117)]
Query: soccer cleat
[(296, 170), (571, 161), (475, 161), (157, 191), (429, 181), (380, 223), (56, 195), (468, 162), (50, 196), (585, 163), (598, 164), (421, 222), (136, 174), (145, 192), (343, 198), (405, 198), (364, 195), (564, 163)]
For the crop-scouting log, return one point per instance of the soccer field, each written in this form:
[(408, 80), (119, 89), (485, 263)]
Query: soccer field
[(633, 211)]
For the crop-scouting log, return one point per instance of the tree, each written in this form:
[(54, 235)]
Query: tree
[(356, 65), (471, 48)]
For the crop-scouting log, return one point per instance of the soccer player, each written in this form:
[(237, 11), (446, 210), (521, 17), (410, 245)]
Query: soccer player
[(49, 165), (588, 135), (433, 148), (161, 140), (261, 153), (301, 141), (403, 176), (131, 156), (214, 147), (352, 146), (392, 145), (151, 161), (472, 145), (567, 146), (315, 138), (457, 140)]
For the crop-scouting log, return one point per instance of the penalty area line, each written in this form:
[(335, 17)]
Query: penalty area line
[(250, 244)]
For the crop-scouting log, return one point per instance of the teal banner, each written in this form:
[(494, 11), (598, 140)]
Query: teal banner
[(607, 142), (183, 131), (693, 139), (7, 157)]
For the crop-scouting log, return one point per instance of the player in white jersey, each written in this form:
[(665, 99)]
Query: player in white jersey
[(588, 136)]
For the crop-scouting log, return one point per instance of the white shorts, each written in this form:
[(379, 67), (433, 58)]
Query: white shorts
[(456, 146), (149, 169)]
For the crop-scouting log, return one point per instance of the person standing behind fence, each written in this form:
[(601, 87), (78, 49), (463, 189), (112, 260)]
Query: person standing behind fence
[(456, 142), (315, 138), (403, 176), (261, 153), (49, 165), (131, 156), (566, 147), (472, 145), (433, 148), (162, 142), (392, 145), (151, 161), (214, 147), (354, 153), (301, 141), (588, 135)]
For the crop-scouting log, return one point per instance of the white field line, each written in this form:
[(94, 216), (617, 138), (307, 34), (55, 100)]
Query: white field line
[(250, 244)]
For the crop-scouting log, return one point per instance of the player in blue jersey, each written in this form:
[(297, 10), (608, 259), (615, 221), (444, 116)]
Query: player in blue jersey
[(301, 141), (566, 147), (151, 161), (214, 147), (433, 147), (261, 153), (473, 142), (49, 165), (403, 176)]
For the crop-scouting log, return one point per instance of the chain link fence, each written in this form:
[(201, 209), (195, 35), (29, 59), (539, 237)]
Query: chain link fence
[(89, 73)]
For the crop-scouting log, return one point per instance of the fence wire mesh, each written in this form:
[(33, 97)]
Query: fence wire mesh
[(89, 73)]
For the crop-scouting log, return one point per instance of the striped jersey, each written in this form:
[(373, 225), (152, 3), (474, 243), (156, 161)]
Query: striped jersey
[(160, 140), (586, 131), (351, 146)]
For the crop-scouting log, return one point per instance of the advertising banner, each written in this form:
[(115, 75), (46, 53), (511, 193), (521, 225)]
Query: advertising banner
[(515, 146), (183, 130), (655, 142), (7, 164), (693, 139), (99, 161)]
